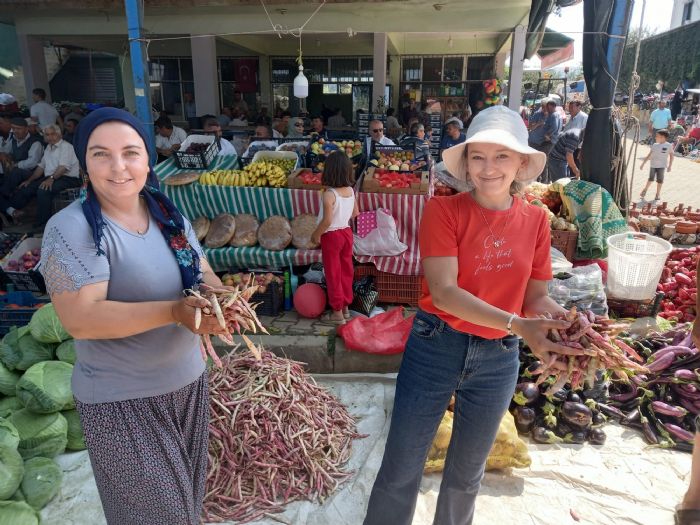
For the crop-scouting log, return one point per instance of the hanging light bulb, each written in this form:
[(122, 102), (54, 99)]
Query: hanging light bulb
[(301, 84)]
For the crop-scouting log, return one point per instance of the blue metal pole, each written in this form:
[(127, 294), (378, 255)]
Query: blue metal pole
[(139, 66)]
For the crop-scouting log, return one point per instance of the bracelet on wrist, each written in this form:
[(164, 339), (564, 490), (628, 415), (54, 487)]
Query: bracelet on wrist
[(509, 324)]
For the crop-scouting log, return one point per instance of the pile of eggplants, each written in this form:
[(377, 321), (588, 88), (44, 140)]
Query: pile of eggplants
[(664, 402), (565, 417)]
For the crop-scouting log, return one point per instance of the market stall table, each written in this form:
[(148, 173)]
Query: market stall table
[(195, 200)]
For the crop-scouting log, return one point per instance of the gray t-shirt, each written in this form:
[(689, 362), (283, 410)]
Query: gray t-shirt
[(139, 268), (660, 152)]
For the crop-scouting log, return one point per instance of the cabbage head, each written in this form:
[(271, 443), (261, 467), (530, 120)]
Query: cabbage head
[(41, 482), (9, 346), (45, 326), (66, 351), (19, 350), (17, 513), (9, 437), (11, 472), (40, 434), (8, 381), (76, 438), (46, 387), (8, 405)]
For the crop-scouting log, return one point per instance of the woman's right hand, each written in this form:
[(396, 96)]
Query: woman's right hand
[(184, 314), (534, 332)]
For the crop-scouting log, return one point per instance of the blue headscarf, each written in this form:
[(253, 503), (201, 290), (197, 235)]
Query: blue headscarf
[(167, 216)]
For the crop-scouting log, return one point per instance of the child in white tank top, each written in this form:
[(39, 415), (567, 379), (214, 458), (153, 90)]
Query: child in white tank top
[(338, 207)]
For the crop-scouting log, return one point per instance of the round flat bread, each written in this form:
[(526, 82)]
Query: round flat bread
[(246, 231), (275, 233), (221, 230), (303, 226), (182, 178), (201, 227)]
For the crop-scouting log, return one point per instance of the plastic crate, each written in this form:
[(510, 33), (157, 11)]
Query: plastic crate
[(271, 301), (635, 309), (8, 241), (15, 316), (565, 242), (31, 281), (196, 161), (393, 289)]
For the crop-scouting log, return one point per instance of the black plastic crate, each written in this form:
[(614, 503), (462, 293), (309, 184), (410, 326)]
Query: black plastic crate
[(196, 161), (31, 281), (271, 300), (8, 241)]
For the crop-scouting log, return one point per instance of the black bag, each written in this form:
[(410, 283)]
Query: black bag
[(365, 295)]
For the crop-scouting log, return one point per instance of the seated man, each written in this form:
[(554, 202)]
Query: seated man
[(58, 170), (168, 138), (69, 131), (19, 156), (685, 143), (212, 127), (261, 141)]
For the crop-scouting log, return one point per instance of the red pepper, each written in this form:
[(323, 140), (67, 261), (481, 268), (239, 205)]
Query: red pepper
[(683, 279)]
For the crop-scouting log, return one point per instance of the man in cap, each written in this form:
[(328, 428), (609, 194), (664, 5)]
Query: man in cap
[(19, 155)]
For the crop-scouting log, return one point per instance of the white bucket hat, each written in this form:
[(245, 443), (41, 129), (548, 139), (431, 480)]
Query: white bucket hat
[(497, 125)]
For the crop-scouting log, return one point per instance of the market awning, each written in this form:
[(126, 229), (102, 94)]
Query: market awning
[(555, 48)]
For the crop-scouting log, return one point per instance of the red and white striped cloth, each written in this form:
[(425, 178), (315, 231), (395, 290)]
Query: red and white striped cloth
[(407, 211)]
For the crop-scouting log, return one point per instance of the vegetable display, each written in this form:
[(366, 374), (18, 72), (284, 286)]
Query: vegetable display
[(677, 283), (41, 481), (275, 437)]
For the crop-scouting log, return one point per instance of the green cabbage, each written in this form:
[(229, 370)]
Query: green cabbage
[(46, 387), (8, 381), (76, 438), (41, 482), (66, 351), (9, 437), (17, 513), (19, 350), (9, 346), (40, 434), (46, 327), (18, 496), (8, 405), (11, 472)]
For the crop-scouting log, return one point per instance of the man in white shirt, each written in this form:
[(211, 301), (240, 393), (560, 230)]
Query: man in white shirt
[(212, 127), (19, 155), (41, 110), (238, 119), (376, 138), (58, 170), (578, 118), (168, 138)]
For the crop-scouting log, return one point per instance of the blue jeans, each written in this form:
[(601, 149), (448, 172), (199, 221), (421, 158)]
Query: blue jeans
[(556, 169), (438, 362)]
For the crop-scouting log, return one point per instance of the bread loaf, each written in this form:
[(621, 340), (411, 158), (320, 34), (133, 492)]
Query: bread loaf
[(275, 233), (201, 227), (246, 231), (221, 230), (303, 226)]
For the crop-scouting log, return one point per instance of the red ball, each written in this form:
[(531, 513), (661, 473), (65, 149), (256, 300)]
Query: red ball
[(310, 300)]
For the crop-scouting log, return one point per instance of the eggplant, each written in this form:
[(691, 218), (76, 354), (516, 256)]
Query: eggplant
[(577, 414), (625, 396), (560, 396), (632, 419), (577, 437), (611, 411), (544, 436), (597, 437), (685, 375), (573, 397), (662, 363), (679, 433), (598, 418), (659, 407), (526, 393), (524, 419), (533, 367), (564, 428)]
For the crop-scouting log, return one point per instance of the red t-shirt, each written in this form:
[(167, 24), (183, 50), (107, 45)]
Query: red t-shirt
[(694, 134), (454, 227)]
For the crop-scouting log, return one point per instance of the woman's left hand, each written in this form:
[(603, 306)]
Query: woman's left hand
[(184, 313)]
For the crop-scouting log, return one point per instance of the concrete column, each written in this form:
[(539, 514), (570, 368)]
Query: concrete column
[(128, 84), (380, 45), (517, 61), (265, 83), (501, 64), (206, 80), (31, 52)]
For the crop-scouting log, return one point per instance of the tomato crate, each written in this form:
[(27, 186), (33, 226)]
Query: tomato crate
[(29, 280), (628, 308), (393, 289), (565, 242), (271, 301)]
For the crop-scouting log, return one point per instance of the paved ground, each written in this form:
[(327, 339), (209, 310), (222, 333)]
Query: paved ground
[(682, 185)]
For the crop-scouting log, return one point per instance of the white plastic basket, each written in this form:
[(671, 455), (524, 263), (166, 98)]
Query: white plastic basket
[(635, 263)]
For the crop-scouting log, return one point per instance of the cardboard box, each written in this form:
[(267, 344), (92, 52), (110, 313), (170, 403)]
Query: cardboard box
[(371, 185), (296, 183)]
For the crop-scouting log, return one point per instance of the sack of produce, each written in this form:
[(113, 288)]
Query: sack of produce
[(46, 387), (438, 451), (66, 351), (9, 437), (201, 227), (303, 226), (19, 350), (11, 471), (76, 438), (46, 327), (41, 481), (275, 233), (8, 381), (246, 231), (221, 231), (40, 434), (17, 513), (8, 405)]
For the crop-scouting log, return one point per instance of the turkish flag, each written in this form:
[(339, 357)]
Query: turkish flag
[(246, 74)]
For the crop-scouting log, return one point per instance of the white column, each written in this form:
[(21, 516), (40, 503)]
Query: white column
[(501, 64), (31, 51), (517, 60), (206, 80), (265, 83), (380, 44)]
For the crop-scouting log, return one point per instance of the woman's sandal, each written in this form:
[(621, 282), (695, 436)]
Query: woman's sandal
[(687, 516), (327, 319)]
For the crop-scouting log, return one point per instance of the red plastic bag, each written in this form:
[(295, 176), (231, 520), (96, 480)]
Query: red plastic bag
[(384, 334)]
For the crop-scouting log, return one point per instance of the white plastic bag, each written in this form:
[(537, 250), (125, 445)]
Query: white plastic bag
[(380, 240)]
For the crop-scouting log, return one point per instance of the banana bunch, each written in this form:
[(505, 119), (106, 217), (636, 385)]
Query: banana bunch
[(267, 173), (225, 178)]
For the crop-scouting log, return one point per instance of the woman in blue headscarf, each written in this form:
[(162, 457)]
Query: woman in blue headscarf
[(116, 263)]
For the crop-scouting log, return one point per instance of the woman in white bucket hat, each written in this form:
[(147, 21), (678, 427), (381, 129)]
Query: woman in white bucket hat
[(486, 259)]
